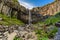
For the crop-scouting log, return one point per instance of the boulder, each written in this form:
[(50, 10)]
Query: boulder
[(1, 19)]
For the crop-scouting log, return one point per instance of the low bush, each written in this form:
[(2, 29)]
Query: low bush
[(45, 35)]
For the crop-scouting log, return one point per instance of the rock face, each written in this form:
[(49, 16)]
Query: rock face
[(49, 9), (12, 8), (9, 7)]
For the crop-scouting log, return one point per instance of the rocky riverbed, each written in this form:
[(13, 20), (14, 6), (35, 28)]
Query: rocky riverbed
[(24, 32)]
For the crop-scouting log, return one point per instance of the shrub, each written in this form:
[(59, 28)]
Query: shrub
[(17, 38), (52, 33), (45, 35), (53, 19)]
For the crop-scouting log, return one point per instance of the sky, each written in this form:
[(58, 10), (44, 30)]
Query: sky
[(29, 4)]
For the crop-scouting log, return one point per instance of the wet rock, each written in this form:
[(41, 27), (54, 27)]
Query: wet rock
[(1, 19), (57, 24), (50, 28), (27, 35)]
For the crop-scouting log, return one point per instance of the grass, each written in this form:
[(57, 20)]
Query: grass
[(53, 19), (44, 34), (9, 21), (15, 0), (50, 20), (16, 38)]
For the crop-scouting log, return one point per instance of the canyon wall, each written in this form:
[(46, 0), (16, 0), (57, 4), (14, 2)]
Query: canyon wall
[(12, 8), (49, 9)]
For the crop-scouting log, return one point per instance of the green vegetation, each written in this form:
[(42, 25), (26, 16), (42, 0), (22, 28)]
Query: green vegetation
[(15, 0), (53, 19), (9, 21), (43, 33), (17, 38), (52, 33)]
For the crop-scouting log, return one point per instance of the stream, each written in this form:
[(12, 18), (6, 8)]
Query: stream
[(57, 37)]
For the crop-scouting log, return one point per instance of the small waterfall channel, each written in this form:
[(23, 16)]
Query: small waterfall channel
[(29, 17), (57, 37)]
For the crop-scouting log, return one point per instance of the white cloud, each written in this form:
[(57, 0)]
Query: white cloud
[(25, 4)]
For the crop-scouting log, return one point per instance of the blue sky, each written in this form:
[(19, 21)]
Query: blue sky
[(34, 3)]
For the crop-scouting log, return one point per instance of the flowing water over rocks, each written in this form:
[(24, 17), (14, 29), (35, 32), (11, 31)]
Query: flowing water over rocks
[(57, 37)]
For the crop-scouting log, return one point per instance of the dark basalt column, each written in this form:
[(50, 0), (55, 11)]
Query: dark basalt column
[(57, 24)]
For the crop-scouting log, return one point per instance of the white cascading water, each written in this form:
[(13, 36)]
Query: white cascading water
[(29, 18)]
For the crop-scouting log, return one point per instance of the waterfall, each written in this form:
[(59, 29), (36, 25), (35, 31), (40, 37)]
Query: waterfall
[(29, 18)]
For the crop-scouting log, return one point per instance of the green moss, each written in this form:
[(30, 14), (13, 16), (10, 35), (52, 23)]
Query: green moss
[(9, 21), (15, 0)]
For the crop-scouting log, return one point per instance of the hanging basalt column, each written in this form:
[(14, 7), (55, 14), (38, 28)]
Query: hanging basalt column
[(14, 13), (1, 6), (9, 14), (5, 10)]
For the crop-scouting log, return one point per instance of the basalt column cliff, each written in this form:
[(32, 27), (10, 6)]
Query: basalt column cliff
[(13, 8)]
